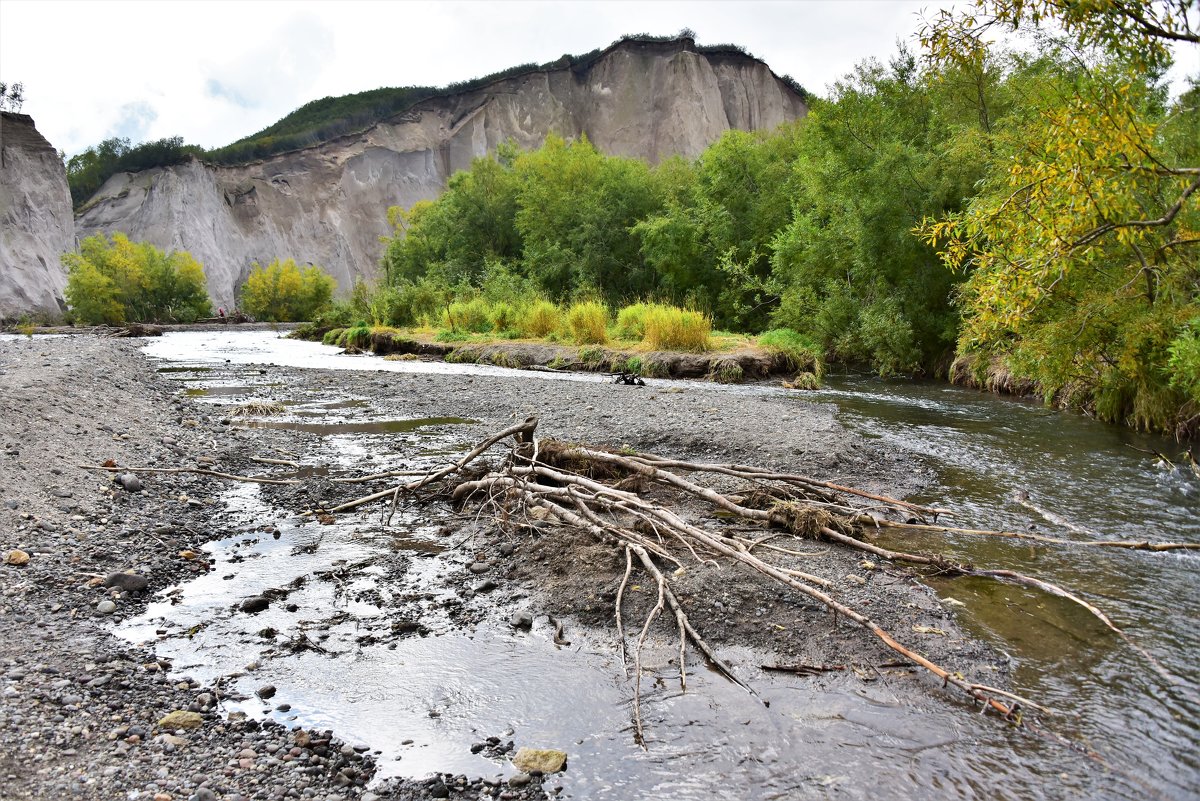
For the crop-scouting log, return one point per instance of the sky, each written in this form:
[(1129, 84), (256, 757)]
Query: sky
[(216, 71)]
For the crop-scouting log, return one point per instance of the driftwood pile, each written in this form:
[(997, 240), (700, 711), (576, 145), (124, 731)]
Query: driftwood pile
[(539, 482), (639, 503)]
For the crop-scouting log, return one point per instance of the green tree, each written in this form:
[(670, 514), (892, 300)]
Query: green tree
[(575, 211), (891, 145), (283, 292)]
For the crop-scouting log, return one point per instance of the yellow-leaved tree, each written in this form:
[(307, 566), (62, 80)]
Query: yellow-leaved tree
[(1081, 247), (283, 292), (113, 281)]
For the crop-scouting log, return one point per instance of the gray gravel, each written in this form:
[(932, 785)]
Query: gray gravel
[(80, 710)]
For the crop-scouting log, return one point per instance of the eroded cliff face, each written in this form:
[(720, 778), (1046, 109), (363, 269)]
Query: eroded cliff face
[(36, 225), (328, 204)]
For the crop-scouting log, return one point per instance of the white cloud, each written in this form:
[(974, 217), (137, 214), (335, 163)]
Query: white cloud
[(214, 72), (133, 121)]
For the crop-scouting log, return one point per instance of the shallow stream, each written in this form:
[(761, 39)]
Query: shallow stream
[(422, 700)]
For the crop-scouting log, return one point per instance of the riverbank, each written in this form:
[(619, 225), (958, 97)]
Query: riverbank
[(82, 710)]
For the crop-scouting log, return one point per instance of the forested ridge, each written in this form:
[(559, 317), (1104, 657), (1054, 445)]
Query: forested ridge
[(332, 117)]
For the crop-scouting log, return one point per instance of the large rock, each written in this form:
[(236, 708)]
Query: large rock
[(36, 226), (542, 760), (181, 719), (328, 204)]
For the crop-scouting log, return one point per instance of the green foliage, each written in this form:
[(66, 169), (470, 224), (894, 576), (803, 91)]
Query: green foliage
[(504, 317), (1080, 244), (1183, 364), (801, 352), (631, 321), (472, 316), (283, 292), (587, 323), (113, 281), (87, 171), (890, 147)]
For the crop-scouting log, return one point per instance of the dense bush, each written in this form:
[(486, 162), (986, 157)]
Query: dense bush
[(113, 281), (283, 292)]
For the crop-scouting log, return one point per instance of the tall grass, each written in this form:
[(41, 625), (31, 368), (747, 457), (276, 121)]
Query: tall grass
[(541, 318), (672, 328), (587, 323), (631, 321)]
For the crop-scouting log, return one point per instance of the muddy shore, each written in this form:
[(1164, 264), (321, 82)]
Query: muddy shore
[(81, 711)]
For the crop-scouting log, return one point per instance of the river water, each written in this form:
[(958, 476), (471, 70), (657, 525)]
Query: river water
[(839, 742)]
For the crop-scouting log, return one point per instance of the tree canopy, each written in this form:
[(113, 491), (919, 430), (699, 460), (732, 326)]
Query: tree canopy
[(114, 281)]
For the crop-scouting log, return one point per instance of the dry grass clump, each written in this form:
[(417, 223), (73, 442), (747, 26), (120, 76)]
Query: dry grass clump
[(258, 409)]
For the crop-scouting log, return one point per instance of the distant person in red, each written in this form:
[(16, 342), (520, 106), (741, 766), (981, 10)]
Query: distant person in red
[(221, 312)]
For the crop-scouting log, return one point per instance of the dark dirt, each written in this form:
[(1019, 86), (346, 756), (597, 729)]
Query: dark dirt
[(80, 709)]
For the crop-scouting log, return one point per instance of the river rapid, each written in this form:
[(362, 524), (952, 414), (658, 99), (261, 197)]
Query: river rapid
[(996, 462)]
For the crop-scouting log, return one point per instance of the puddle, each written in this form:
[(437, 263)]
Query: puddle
[(218, 392), (378, 427)]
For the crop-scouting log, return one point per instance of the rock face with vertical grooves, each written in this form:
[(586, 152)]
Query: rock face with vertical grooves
[(327, 204), (36, 225)]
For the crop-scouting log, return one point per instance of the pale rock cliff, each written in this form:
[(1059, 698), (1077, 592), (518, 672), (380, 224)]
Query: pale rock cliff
[(328, 204), (36, 225)]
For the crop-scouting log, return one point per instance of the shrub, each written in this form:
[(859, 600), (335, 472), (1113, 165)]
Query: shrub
[(587, 323), (671, 328), (472, 315), (631, 321), (1183, 364), (505, 319), (283, 292), (541, 319), (800, 352), (356, 338), (338, 314), (332, 336)]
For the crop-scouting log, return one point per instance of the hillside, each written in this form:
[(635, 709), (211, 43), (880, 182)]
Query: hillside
[(326, 202)]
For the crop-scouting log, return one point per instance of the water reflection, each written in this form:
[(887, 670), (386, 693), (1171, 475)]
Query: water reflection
[(985, 450)]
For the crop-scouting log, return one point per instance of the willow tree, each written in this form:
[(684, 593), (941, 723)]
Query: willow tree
[(1081, 248)]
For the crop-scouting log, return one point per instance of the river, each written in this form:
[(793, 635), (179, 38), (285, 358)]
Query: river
[(987, 453)]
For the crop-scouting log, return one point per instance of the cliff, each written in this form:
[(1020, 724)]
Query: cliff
[(327, 204), (36, 225)]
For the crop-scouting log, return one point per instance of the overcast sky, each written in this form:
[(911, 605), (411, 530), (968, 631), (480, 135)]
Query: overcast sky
[(215, 71)]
